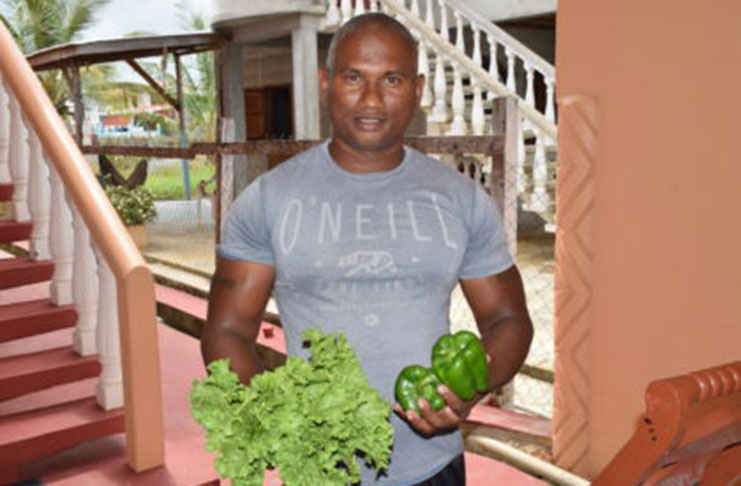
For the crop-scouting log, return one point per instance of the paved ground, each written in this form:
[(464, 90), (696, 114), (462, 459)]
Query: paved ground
[(183, 236)]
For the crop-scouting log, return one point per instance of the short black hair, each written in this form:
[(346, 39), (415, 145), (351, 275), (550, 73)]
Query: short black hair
[(352, 26)]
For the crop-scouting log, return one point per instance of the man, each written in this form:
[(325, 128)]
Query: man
[(365, 236)]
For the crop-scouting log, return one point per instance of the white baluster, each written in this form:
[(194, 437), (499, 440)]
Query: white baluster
[(530, 91), (477, 46), (110, 384), (477, 109), (459, 42), (424, 69), (85, 289), (458, 126), (346, 10), (61, 243), (444, 20), (440, 109), (520, 181), (429, 14), (373, 5), (478, 120), (550, 103), (333, 13), (359, 7), (39, 199), (511, 83), (539, 199), (18, 158), (477, 171), (415, 8), (493, 72), (4, 134)]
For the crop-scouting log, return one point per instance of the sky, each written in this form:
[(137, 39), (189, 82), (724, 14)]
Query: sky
[(120, 17)]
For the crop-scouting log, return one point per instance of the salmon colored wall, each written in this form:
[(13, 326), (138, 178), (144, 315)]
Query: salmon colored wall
[(666, 270)]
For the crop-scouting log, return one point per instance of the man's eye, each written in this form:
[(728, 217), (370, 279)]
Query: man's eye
[(352, 77), (393, 80)]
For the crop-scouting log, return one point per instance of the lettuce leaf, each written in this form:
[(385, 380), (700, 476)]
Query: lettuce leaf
[(310, 418)]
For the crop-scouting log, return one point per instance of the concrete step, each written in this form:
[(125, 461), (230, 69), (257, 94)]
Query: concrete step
[(33, 435), (32, 372), (11, 231), (15, 272), (6, 192), (34, 317)]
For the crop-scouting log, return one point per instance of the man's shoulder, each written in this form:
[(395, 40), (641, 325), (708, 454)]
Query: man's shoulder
[(292, 169), (434, 169)]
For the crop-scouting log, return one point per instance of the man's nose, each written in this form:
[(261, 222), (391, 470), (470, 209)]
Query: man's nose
[(371, 96)]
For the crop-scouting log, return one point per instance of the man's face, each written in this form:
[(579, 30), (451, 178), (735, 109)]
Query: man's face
[(374, 89)]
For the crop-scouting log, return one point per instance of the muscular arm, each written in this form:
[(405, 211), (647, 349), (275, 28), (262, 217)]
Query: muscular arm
[(498, 305), (236, 303)]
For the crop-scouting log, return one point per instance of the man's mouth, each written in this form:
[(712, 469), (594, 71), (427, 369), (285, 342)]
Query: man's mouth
[(369, 123)]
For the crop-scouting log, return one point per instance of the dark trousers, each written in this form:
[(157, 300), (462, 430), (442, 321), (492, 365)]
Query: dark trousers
[(454, 474)]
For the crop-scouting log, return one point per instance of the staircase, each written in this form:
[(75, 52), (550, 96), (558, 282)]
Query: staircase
[(33, 422), (75, 305), (467, 62)]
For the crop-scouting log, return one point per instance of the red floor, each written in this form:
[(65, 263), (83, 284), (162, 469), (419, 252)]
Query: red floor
[(102, 463)]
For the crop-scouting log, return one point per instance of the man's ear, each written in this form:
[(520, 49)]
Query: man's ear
[(420, 87), (324, 84)]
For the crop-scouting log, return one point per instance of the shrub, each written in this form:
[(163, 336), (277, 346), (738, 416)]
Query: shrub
[(134, 206)]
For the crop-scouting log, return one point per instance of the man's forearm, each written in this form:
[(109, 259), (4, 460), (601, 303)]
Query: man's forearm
[(507, 343), (241, 352)]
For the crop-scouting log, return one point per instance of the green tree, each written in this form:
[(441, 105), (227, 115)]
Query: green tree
[(199, 80), (40, 24)]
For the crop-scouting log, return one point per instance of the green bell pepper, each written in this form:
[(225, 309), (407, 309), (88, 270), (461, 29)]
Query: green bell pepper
[(416, 382), (459, 361)]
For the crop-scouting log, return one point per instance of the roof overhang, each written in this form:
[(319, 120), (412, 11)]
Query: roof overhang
[(102, 51)]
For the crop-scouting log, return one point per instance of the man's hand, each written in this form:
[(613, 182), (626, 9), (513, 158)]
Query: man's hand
[(436, 421)]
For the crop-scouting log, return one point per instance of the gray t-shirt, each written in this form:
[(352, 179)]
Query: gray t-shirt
[(375, 256)]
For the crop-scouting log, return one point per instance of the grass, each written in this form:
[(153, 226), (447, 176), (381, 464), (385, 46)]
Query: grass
[(166, 181)]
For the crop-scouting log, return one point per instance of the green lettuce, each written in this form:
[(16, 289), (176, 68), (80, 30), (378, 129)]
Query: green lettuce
[(310, 418)]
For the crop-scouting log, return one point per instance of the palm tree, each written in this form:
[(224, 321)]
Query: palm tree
[(39, 24), (199, 80)]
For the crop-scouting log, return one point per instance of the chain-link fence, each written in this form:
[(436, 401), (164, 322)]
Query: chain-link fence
[(182, 234), (532, 389)]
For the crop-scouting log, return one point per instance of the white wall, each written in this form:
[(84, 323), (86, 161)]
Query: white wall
[(223, 10)]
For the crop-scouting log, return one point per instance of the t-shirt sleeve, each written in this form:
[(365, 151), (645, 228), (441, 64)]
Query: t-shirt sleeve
[(246, 235), (486, 252)]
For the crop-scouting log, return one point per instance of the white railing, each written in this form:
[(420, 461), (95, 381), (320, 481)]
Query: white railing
[(444, 96), (97, 268), (39, 196)]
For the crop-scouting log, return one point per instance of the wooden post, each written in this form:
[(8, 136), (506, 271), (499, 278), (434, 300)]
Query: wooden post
[(504, 165), (229, 80), (79, 107), (181, 123)]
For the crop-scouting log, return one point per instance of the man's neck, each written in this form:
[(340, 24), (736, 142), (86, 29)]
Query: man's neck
[(365, 162)]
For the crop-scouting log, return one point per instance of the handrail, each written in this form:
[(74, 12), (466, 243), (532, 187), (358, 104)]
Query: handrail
[(449, 50), (520, 49), (136, 299)]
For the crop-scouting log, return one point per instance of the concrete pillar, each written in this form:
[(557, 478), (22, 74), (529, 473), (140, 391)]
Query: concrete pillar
[(237, 171), (305, 78)]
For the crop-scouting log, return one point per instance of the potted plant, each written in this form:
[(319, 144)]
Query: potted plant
[(135, 207)]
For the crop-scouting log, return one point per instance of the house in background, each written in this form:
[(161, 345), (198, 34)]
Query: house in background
[(472, 51)]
